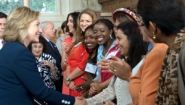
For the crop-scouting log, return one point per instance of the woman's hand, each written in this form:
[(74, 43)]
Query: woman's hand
[(80, 101), (119, 67), (71, 85), (85, 86), (47, 63), (104, 64), (66, 82), (51, 66), (109, 103), (67, 48), (95, 88)]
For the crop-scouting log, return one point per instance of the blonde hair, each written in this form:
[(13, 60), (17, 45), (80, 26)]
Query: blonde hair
[(79, 30), (17, 24), (59, 32)]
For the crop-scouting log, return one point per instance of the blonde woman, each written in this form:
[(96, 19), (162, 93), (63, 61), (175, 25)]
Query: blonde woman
[(20, 79)]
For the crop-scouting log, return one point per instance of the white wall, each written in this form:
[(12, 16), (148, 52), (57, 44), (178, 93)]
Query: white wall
[(64, 7)]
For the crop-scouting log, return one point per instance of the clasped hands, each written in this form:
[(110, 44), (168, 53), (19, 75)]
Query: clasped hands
[(47, 63), (70, 84), (115, 65), (78, 100), (66, 47)]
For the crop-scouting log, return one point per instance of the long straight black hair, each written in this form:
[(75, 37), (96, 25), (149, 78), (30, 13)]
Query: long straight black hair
[(138, 47)]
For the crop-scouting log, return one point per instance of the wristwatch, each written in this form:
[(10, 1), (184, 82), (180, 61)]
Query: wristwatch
[(67, 78)]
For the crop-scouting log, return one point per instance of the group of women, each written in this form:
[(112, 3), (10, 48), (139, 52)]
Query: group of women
[(138, 60), (138, 64)]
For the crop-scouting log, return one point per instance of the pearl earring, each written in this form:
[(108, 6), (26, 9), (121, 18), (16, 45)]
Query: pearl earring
[(154, 37)]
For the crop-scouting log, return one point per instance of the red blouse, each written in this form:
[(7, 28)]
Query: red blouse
[(78, 58)]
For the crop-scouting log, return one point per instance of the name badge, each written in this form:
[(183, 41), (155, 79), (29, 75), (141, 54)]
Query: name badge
[(91, 68)]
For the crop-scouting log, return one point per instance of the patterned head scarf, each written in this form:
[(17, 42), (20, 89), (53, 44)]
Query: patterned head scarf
[(126, 11)]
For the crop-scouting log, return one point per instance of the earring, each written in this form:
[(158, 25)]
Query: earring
[(154, 37), (110, 36)]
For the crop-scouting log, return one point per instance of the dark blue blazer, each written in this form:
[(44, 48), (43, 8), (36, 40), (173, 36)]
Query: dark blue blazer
[(55, 53), (20, 80)]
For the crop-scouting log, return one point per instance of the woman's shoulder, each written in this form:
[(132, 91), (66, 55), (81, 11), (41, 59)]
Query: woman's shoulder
[(15, 47), (16, 43), (158, 52), (15, 51), (78, 44), (159, 48), (80, 47), (66, 39)]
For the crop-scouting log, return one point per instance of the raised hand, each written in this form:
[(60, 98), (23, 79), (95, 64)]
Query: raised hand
[(47, 63), (67, 48), (103, 64), (119, 67)]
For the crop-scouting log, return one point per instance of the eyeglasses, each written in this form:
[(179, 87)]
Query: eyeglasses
[(141, 25)]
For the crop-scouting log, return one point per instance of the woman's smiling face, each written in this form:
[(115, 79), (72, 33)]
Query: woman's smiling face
[(85, 21), (90, 39), (122, 42), (37, 49), (102, 33), (70, 24)]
